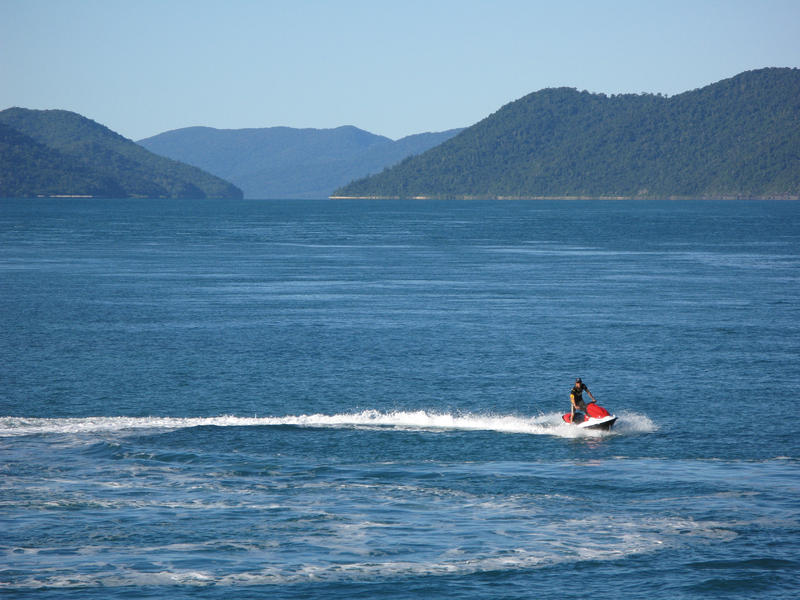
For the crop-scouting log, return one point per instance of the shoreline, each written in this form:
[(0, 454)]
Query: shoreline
[(470, 197)]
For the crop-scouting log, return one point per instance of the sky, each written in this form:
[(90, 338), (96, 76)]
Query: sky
[(391, 67)]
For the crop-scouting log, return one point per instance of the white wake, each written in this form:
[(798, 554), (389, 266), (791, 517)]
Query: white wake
[(548, 424)]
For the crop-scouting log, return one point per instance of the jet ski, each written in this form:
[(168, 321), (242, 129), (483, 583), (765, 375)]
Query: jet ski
[(596, 417)]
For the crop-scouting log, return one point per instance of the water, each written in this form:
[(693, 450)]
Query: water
[(361, 400)]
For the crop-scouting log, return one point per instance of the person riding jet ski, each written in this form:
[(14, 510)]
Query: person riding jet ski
[(576, 397)]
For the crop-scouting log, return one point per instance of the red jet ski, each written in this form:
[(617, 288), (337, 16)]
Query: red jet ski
[(596, 417)]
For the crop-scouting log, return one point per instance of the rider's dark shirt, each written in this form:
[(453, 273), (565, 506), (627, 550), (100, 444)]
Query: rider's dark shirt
[(577, 392)]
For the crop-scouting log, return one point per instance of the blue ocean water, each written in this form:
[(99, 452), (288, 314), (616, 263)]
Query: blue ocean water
[(319, 399)]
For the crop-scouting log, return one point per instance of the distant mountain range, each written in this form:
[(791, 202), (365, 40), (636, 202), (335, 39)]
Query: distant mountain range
[(283, 162), (739, 137), (61, 153)]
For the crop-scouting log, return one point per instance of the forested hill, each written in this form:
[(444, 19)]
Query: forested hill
[(736, 138), (57, 152), (287, 162)]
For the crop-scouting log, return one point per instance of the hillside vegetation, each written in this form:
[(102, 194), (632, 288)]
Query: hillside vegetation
[(285, 162), (736, 138), (57, 152)]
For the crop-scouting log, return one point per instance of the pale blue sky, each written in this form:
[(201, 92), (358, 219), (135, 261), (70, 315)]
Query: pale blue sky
[(391, 67)]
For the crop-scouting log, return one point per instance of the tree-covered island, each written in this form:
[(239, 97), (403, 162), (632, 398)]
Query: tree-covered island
[(61, 153), (738, 138)]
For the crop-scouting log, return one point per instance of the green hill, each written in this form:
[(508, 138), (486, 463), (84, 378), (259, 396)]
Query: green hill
[(285, 162), (56, 152), (736, 138)]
